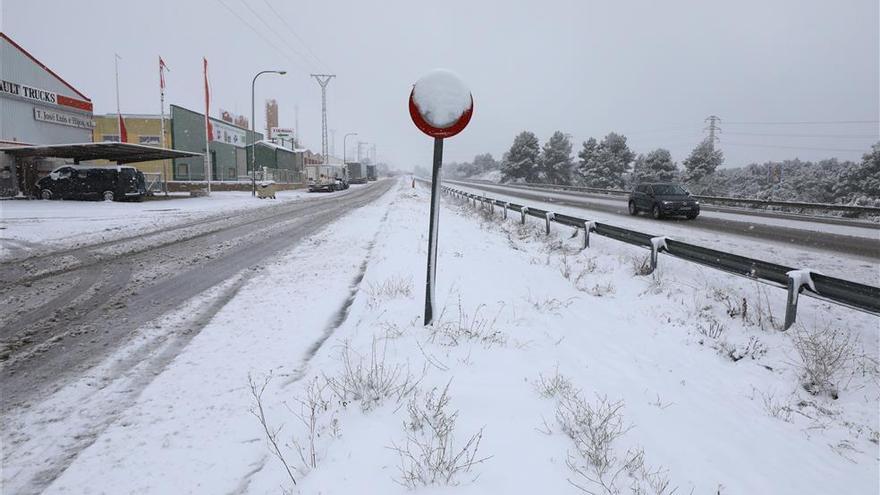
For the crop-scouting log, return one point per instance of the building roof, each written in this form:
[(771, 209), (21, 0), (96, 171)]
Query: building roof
[(43, 66), (117, 152)]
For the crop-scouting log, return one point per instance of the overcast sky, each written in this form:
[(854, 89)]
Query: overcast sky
[(649, 69)]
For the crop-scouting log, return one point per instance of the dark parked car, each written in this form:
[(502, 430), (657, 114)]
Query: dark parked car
[(80, 182), (663, 199)]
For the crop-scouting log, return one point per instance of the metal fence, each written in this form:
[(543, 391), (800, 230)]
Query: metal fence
[(851, 294), (719, 200)]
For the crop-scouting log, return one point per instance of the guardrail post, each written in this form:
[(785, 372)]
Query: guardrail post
[(505, 210), (492, 207), (524, 210), (657, 244), (797, 279), (589, 226), (549, 216)]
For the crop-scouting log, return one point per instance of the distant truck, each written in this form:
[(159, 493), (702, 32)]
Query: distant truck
[(371, 172), (357, 173), (327, 178)]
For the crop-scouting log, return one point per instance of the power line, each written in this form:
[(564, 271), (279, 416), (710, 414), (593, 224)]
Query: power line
[(293, 32), (807, 122), (283, 41), (257, 32), (841, 136), (804, 148)]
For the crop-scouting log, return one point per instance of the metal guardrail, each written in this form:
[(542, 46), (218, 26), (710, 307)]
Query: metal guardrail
[(724, 200), (851, 294)]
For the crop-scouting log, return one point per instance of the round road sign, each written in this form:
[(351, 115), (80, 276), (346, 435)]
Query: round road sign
[(440, 104)]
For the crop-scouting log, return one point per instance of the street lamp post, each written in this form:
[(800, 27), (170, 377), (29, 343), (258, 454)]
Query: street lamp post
[(253, 130)]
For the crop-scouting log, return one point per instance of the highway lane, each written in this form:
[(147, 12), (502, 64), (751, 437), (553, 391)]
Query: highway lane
[(729, 210), (861, 246)]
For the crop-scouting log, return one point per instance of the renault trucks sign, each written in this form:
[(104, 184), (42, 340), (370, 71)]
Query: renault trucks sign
[(42, 95)]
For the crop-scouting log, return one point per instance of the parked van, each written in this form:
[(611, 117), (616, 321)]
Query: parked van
[(118, 183)]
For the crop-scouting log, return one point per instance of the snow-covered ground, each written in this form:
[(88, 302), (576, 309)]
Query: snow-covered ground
[(700, 387), (853, 268), (26, 224)]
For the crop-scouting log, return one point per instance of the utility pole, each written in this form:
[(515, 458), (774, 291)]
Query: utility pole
[(296, 139), (323, 81), (333, 142), (713, 128)]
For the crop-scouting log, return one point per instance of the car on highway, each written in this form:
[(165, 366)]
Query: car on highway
[(663, 199), (114, 183)]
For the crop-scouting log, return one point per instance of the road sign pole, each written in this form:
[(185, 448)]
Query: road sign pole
[(432, 232)]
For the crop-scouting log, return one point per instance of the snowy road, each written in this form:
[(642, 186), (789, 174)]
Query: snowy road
[(65, 312)]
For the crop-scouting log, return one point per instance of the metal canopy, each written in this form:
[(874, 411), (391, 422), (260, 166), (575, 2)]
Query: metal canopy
[(116, 152)]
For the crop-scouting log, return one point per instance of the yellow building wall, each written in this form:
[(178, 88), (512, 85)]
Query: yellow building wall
[(141, 130)]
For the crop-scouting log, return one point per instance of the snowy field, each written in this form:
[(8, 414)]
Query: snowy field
[(550, 368), (28, 225), (853, 268)]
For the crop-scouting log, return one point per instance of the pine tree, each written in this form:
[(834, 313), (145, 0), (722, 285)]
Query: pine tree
[(655, 166), (605, 164), (556, 163), (861, 181), (702, 162), (485, 163), (521, 161)]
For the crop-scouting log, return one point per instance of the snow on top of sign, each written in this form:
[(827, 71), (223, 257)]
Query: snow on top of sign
[(441, 97)]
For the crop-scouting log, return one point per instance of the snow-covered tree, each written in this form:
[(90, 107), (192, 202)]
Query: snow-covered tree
[(556, 163), (604, 164), (702, 162), (485, 163), (521, 160), (862, 181), (655, 166)]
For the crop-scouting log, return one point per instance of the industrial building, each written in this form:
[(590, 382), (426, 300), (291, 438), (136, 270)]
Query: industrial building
[(230, 151), (141, 129), (37, 107)]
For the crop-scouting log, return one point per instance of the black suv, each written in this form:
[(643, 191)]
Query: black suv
[(80, 182), (663, 199)]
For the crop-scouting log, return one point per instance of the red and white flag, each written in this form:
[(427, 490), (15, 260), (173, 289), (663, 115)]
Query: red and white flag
[(162, 69), (209, 129), (123, 132)]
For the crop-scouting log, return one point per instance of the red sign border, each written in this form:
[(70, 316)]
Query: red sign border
[(439, 132)]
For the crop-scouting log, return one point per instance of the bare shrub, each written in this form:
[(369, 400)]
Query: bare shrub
[(312, 410), (777, 408), (761, 313), (641, 266), (369, 380), (391, 288), (593, 428), (430, 455), (257, 390), (713, 329), (467, 328), (549, 304), (602, 290), (826, 356), (554, 386), (565, 267), (752, 349)]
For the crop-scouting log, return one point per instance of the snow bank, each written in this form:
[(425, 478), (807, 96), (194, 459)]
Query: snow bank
[(441, 97)]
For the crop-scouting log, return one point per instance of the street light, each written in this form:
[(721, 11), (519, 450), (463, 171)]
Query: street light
[(253, 131)]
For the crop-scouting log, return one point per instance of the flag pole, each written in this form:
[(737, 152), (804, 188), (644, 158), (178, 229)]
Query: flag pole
[(162, 67), (118, 113), (207, 128)]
